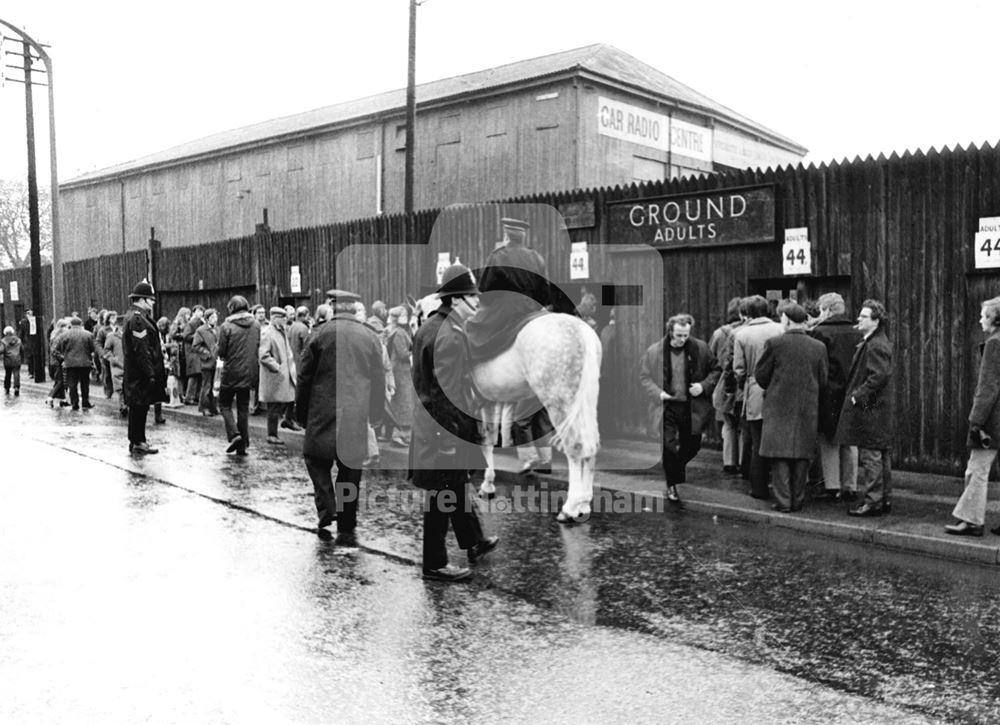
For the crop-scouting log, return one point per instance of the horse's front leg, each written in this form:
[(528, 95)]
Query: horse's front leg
[(488, 487)]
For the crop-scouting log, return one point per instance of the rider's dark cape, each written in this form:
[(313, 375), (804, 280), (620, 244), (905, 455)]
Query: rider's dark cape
[(514, 289)]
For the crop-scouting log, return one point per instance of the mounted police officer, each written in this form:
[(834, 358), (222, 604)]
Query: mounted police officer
[(144, 380), (445, 442)]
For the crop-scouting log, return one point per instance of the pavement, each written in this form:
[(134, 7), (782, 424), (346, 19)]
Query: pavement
[(629, 476)]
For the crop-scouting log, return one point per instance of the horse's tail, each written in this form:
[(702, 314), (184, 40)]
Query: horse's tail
[(577, 434)]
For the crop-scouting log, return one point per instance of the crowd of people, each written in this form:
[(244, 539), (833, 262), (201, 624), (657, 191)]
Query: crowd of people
[(801, 393)]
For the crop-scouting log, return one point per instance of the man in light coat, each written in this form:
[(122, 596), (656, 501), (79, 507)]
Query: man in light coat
[(793, 373), (748, 346), (866, 419), (984, 430), (341, 385), (678, 374), (277, 372)]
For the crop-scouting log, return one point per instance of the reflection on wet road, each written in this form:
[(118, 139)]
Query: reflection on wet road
[(187, 587)]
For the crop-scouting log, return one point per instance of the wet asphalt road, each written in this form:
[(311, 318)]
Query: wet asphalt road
[(188, 587)]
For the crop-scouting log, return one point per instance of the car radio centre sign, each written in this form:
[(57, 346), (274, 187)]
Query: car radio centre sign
[(744, 215)]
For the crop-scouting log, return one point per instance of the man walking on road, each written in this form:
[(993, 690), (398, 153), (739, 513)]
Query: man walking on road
[(984, 430), (144, 380), (679, 374), (239, 340), (341, 387), (76, 349), (445, 441), (793, 372), (866, 418)]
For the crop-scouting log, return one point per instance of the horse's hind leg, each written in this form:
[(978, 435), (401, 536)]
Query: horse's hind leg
[(581, 490)]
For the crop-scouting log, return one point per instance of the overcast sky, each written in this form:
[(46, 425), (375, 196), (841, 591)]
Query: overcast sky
[(843, 79)]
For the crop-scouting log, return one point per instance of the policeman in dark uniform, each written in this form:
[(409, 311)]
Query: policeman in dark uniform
[(145, 378), (445, 441)]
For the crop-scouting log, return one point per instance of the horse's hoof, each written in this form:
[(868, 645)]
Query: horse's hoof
[(564, 518), (488, 495)]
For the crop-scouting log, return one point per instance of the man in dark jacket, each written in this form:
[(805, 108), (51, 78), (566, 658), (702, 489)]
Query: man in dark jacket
[(841, 338), (341, 387), (76, 348), (27, 330), (866, 417), (144, 380), (445, 441), (239, 339), (984, 430), (679, 374), (793, 373)]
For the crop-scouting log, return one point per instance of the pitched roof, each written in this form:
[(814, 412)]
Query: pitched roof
[(602, 61)]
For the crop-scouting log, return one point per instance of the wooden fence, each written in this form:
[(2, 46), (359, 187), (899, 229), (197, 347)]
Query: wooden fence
[(898, 229)]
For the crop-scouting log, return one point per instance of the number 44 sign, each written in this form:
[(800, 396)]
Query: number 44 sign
[(988, 243), (796, 253)]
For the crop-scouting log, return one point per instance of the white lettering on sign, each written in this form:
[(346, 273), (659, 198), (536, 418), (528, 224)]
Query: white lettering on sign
[(989, 224), (987, 249), (655, 130)]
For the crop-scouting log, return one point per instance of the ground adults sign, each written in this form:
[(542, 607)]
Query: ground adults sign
[(719, 217)]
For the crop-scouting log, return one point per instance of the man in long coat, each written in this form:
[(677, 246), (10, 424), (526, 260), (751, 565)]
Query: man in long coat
[(678, 374), (144, 379), (793, 373), (277, 372), (748, 346), (984, 430), (866, 419), (341, 387), (445, 441), (841, 338)]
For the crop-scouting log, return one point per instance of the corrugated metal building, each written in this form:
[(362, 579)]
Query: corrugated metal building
[(585, 118)]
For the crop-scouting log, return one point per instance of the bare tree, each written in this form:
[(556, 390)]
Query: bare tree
[(15, 237)]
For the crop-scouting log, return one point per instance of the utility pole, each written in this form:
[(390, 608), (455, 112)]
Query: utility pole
[(31, 47), (35, 235), (411, 121)]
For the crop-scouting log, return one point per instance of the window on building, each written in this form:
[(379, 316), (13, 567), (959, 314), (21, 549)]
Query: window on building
[(546, 110), (159, 182), (366, 144), (450, 130), (401, 137), (134, 188), (294, 157), (182, 178), (233, 172), (263, 163), (496, 120), (646, 169)]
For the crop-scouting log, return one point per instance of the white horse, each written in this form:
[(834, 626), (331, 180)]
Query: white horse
[(555, 358)]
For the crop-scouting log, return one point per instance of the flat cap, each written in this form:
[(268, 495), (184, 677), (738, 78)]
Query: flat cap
[(339, 295), (277, 311)]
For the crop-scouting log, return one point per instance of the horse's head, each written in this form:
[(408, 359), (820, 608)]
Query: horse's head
[(420, 309)]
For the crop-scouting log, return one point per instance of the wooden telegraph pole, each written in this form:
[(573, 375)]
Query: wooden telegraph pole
[(35, 235), (411, 119)]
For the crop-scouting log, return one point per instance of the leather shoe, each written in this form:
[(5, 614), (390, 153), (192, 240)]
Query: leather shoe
[(828, 494), (447, 573), (964, 528), (672, 496), (484, 547), (866, 510), (143, 448), (346, 538), (781, 509), (235, 444), (275, 441), (161, 420), (290, 425), (87, 405)]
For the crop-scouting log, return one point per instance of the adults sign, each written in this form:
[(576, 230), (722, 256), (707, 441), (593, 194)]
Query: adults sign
[(987, 243), (796, 252), (742, 215)]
